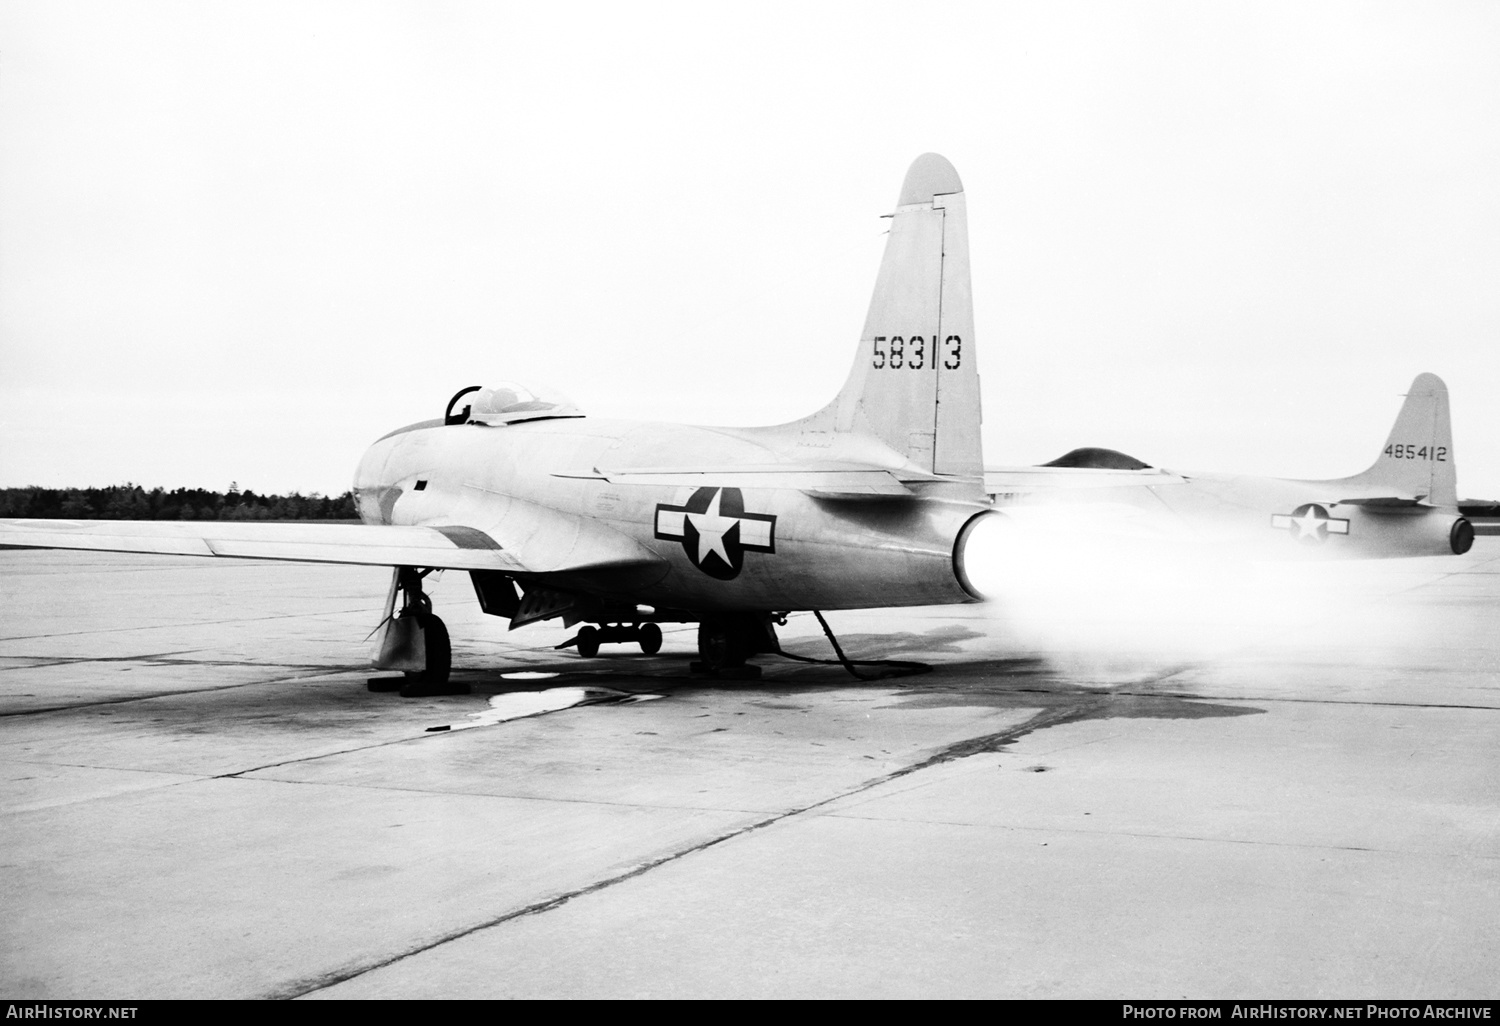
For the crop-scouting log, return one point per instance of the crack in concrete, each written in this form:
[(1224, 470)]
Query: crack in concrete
[(315, 758), (159, 659), (107, 769), (1145, 835), (124, 699), (1307, 701), (491, 794), (988, 742), (74, 660), (187, 624)]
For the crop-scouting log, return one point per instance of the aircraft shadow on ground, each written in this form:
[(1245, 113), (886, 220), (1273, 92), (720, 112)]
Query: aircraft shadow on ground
[(1024, 681)]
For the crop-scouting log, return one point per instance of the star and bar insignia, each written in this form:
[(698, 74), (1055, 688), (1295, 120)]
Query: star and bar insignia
[(1310, 524), (715, 530)]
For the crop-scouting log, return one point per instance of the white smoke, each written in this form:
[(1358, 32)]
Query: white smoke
[(1104, 589)]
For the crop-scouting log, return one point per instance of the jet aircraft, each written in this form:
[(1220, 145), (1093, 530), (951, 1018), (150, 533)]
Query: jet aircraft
[(880, 498), (1405, 504)]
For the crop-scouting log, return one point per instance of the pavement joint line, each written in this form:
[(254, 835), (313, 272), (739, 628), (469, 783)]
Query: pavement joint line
[(123, 699), (327, 755), (188, 624), (127, 793), (1309, 664), (1309, 701), (835, 814), (983, 744), (492, 794), (1044, 719), (1084, 743), (193, 778), (424, 736), (161, 659), (72, 660), (1425, 584), (110, 769), (303, 988)]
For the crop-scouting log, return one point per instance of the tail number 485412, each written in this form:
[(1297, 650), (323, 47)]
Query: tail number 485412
[(1411, 452)]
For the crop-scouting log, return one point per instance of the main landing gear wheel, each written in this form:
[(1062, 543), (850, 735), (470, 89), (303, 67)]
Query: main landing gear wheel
[(727, 640), (414, 637), (720, 645), (434, 679), (649, 637)]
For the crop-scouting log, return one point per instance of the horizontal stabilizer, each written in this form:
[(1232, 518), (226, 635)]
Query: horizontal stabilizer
[(1048, 478), (1379, 502), (1484, 514), (855, 491), (828, 480)]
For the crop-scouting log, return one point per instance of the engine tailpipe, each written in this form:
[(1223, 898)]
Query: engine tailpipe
[(979, 554)]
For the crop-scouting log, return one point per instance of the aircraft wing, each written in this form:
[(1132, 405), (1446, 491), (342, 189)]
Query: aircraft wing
[(449, 548)]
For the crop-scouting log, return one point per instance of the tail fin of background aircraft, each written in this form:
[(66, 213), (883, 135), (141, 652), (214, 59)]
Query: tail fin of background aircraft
[(915, 383), (1418, 456)]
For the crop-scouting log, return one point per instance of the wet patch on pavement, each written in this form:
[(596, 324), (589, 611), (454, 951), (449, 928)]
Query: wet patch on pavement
[(1063, 707), (517, 705)]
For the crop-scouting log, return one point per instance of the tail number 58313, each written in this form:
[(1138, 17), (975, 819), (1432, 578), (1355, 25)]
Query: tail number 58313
[(909, 352)]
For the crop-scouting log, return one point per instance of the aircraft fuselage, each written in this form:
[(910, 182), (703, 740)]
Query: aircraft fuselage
[(544, 486)]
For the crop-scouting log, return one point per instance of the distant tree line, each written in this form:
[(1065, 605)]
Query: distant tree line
[(132, 502)]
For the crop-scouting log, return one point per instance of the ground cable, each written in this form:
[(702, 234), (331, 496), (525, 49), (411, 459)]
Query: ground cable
[(895, 667)]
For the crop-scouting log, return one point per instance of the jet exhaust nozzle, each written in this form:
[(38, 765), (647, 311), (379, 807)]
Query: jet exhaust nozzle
[(1378, 534), (979, 553)]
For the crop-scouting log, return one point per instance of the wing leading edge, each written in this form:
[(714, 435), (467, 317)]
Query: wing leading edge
[(447, 548)]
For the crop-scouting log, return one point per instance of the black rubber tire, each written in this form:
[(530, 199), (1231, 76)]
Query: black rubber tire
[(588, 642), (439, 652), (720, 645), (649, 636), (434, 679)]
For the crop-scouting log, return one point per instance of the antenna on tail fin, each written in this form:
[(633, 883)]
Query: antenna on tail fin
[(915, 384)]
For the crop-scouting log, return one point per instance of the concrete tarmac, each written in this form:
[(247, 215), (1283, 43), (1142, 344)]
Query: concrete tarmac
[(199, 798)]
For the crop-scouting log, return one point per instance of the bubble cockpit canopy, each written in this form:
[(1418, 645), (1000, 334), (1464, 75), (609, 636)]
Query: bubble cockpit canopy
[(507, 403)]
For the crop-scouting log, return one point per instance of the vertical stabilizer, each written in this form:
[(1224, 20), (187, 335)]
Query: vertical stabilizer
[(915, 382), (1418, 455)]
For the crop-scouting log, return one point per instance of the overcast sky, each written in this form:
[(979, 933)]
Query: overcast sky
[(238, 241)]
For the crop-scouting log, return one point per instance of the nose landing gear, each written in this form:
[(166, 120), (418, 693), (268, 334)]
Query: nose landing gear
[(647, 635), (414, 641), (725, 641)]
